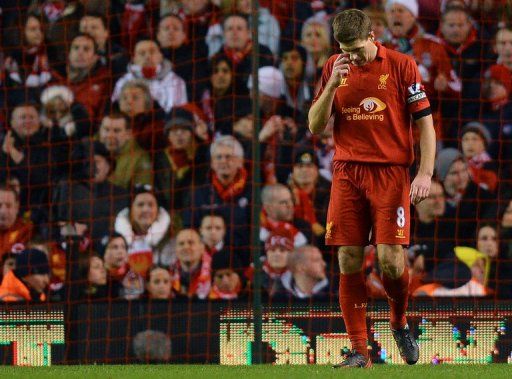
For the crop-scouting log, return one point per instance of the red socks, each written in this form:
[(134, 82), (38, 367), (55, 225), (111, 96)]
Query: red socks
[(398, 296), (353, 301)]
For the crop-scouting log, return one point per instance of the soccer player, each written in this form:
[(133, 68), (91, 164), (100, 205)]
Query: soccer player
[(372, 93)]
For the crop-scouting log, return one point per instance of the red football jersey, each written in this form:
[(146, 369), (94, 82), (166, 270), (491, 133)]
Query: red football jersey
[(373, 107)]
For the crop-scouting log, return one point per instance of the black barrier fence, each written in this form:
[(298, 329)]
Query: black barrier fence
[(447, 332)]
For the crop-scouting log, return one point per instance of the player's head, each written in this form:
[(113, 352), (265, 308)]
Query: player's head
[(353, 32)]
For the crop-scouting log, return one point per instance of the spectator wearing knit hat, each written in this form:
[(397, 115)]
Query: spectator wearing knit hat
[(275, 262), (310, 190), (60, 110), (227, 283), (183, 163), (475, 139), (29, 280), (466, 200)]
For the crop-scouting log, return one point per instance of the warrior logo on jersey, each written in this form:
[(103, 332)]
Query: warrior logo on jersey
[(372, 105)]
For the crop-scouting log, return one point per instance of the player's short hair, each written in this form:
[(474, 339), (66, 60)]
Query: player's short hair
[(351, 25)]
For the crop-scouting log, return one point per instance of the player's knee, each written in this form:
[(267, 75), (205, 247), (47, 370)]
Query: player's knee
[(350, 259), (391, 260)]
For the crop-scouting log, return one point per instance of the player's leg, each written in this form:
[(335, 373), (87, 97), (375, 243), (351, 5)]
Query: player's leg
[(395, 278), (390, 207), (353, 297), (348, 226)]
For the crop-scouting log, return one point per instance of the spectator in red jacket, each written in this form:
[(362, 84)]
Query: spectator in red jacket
[(85, 76)]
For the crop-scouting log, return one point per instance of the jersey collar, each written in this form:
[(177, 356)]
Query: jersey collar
[(381, 51)]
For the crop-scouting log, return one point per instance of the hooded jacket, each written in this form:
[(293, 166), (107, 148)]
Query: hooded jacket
[(166, 87)]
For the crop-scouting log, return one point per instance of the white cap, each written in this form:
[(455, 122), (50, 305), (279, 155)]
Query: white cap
[(270, 81), (412, 5), (57, 91)]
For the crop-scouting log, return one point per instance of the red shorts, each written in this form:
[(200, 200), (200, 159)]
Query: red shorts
[(368, 198)]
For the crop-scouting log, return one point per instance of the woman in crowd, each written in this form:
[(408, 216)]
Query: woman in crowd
[(146, 228)]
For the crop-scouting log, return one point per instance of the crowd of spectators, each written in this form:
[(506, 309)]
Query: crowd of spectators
[(127, 129)]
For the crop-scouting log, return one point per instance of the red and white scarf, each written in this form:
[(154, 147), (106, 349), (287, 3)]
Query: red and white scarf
[(200, 281)]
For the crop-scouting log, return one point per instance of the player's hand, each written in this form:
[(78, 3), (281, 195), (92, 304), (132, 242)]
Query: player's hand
[(420, 188), (340, 69)]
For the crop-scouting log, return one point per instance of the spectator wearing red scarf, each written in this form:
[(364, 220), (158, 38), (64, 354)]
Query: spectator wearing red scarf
[(278, 218), (191, 274), (310, 190), (213, 233), (227, 281), (227, 193)]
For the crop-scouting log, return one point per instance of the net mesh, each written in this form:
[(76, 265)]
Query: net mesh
[(127, 158)]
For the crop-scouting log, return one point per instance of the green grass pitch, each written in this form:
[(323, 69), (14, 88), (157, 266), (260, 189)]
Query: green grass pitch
[(493, 371)]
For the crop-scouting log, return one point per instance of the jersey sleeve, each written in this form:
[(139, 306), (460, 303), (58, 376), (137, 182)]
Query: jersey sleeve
[(326, 74), (415, 96)]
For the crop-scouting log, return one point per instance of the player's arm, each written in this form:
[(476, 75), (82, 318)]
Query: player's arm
[(320, 111), (420, 187)]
